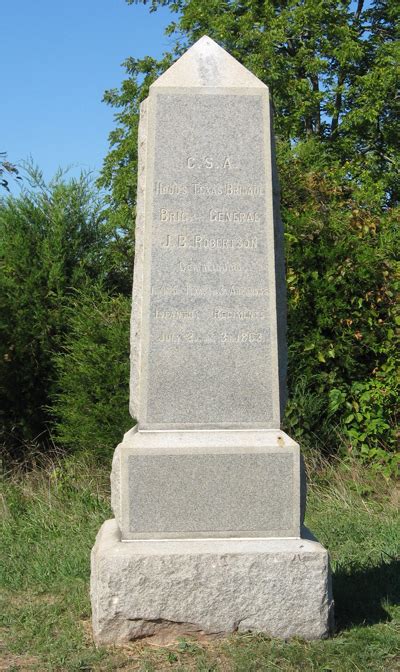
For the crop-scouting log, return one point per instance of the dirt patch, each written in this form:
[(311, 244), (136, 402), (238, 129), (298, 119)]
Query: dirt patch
[(12, 662)]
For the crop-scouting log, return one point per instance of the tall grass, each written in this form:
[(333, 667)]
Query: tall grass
[(50, 517)]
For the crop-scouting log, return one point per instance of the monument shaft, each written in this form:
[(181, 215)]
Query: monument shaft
[(208, 330)]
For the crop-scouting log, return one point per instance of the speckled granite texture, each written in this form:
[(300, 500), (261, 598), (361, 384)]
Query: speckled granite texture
[(166, 589)]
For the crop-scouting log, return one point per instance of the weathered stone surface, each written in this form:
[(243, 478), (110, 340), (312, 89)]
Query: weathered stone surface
[(208, 587), (207, 483), (208, 342), (137, 292), (207, 491)]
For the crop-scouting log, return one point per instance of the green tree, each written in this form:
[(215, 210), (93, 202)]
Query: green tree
[(51, 243), (7, 168), (332, 69), (90, 402)]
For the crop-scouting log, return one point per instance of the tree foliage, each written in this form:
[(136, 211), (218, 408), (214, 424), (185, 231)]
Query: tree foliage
[(343, 279), (90, 403), (51, 243), (6, 169), (66, 255), (331, 69), (330, 66)]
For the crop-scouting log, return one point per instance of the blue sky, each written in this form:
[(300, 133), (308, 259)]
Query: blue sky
[(57, 59)]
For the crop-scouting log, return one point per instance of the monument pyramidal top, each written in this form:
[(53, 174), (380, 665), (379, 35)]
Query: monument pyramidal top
[(207, 64)]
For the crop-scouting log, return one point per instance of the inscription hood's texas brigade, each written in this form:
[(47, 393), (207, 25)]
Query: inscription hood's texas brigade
[(206, 485)]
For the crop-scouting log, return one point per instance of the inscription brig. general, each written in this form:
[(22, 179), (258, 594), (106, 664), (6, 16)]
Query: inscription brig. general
[(222, 216)]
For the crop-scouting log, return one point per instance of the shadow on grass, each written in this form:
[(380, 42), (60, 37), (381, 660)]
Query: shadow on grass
[(360, 593)]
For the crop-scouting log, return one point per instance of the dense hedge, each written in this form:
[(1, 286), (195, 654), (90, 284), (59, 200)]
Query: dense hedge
[(51, 241), (65, 320), (91, 404)]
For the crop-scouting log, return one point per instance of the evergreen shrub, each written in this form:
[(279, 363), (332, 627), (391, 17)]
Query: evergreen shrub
[(91, 403), (51, 243)]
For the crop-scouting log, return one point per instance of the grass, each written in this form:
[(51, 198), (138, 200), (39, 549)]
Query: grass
[(50, 519)]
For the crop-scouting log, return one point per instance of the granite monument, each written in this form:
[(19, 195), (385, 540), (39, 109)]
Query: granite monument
[(208, 493)]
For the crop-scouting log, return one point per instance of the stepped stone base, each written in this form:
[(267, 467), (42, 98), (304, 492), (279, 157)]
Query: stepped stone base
[(182, 484), (166, 589)]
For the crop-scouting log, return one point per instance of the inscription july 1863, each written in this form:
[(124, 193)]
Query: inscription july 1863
[(209, 319)]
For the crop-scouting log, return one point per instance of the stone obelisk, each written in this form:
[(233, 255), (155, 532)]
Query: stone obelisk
[(207, 491)]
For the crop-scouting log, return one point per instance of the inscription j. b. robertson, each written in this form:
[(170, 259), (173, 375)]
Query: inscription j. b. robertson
[(201, 242), (209, 293)]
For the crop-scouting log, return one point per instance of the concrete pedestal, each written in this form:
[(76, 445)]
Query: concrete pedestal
[(164, 589)]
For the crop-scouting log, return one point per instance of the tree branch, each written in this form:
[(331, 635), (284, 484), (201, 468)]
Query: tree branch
[(338, 103), (359, 9), (315, 86)]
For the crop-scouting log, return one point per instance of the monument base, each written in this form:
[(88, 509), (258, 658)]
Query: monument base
[(165, 589), (193, 484)]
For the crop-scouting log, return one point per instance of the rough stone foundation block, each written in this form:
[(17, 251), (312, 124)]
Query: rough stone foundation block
[(169, 588)]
